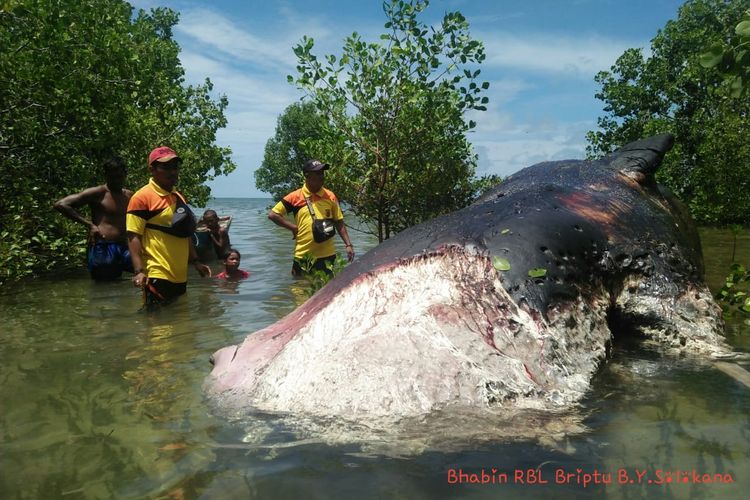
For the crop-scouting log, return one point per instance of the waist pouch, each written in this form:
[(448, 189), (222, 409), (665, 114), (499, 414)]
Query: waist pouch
[(183, 221), (322, 229)]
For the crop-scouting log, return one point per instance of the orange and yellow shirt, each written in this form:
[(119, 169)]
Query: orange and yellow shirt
[(326, 206), (150, 214)]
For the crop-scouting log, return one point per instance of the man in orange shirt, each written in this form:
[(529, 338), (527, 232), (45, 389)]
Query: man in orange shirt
[(160, 229), (312, 197)]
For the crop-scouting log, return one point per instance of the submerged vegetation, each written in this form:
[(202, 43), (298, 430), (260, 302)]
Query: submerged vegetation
[(317, 278), (736, 289), (735, 292)]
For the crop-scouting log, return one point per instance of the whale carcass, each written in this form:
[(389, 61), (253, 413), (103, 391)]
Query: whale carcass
[(512, 301)]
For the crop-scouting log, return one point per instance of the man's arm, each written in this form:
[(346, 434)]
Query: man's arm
[(223, 239), (225, 242), (136, 246), (341, 228), (202, 268), (280, 220), (68, 205)]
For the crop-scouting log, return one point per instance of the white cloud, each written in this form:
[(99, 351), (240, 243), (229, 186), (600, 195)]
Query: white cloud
[(198, 67), (249, 64), (144, 4), (582, 57), (255, 102), (503, 90), (216, 32), (516, 147), (253, 97)]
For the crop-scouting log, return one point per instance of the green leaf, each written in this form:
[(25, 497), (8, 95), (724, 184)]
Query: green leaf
[(500, 263), (505, 231), (394, 132), (736, 87), (537, 272), (743, 29), (712, 57)]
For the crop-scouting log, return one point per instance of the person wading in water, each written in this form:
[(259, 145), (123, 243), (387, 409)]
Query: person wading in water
[(108, 254)]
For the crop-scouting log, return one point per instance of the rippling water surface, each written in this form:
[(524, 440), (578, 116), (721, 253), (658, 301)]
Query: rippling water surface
[(98, 400)]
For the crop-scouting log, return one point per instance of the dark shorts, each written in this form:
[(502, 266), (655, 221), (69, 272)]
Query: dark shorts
[(159, 292), (320, 264), (108, 259)]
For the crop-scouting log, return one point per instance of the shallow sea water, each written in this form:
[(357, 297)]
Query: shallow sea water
[(98, 400)]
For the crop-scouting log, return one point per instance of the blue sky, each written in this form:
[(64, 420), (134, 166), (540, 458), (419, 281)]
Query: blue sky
[(541, 60)]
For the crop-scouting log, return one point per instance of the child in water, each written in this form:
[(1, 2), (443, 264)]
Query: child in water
[(232, 269)]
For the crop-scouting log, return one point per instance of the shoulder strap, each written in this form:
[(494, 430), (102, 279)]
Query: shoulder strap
[(310, 207), (179, 197)]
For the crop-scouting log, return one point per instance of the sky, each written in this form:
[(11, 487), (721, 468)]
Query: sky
[(542, 56)]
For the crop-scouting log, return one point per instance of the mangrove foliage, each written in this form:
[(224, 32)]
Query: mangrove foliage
[(393, 117), (670, 90), (79, 82)]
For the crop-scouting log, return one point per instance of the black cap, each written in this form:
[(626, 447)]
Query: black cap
[(314, 166)]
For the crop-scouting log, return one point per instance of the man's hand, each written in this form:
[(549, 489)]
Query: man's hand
[(281, 221), (139, 280), (350, 252), (202, 269), (94, 234)]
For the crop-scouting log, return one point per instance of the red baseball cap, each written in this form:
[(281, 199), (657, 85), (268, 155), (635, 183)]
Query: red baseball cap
[(162, 154)]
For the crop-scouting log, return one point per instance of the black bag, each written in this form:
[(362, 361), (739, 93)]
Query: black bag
[(322, 229), (183, 220)]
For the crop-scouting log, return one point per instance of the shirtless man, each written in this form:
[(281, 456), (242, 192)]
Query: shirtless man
[(219, 235), (108, 254)]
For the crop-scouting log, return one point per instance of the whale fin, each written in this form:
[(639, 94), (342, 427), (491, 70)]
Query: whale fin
[(640, 159)]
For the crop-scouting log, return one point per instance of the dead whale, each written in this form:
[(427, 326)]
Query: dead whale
[(512, 301)]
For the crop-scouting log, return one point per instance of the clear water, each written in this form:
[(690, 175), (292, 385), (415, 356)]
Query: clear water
[(100, 401)]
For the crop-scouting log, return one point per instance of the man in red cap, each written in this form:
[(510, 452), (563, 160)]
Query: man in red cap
[(313, 198), (160, 228)]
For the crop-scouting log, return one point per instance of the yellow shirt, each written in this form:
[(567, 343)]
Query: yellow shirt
[(150, 213), (326, 206)]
